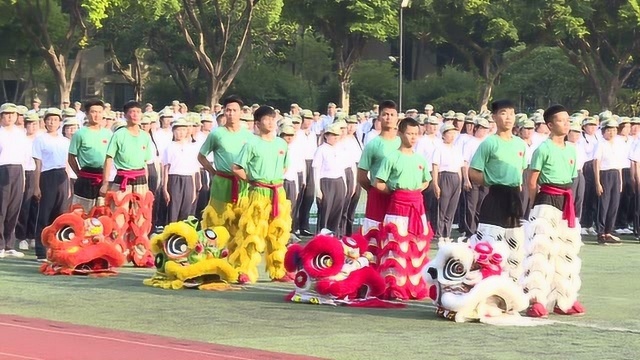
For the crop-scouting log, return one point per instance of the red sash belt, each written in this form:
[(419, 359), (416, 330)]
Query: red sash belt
[(129, 175), (274, 195), (568, 210), (408, 203), (235, 184), (96, 178)]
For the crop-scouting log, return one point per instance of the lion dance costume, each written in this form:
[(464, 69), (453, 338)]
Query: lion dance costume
[(405, 237), (81, 244), (552, 266), (264, 227), (332, 271), (192, 259), (131, 214), (467, 284)]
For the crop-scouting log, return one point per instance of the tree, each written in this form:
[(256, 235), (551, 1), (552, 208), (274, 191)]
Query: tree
[(600, 37), (60, 29), (482, 31), (348, 26)]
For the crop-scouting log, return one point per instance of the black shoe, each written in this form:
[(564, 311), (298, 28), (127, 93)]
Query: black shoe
[(602, 240), (305, 232)]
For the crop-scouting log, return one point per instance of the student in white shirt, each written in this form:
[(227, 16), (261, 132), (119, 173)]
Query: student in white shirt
[(634, 156), (50, 152), (426, 147), (589, 142), (330, 187), (208, 124), (373, 132), (153, 166), (12, 160), (26, 228), (450, 162), (308, 144), (352, 151), (626, 207), (577, 188), (296, 171), (526, 133), (472, 194), (180, 165), (69, 127), (608, 174)]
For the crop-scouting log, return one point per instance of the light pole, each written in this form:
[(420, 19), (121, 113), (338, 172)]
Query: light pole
[(403, 4)]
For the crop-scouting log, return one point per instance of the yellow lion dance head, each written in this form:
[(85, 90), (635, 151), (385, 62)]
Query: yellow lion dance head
[(188, 258)]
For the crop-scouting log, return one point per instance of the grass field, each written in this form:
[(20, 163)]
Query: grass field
[(258, 317)]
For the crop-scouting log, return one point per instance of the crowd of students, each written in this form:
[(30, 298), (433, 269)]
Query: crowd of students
[(50, 158)]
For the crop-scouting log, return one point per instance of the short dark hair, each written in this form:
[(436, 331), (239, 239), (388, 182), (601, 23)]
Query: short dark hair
[(406, 122), (551, 111), (233, 99), (502, 104), (387, 104), (131, 105), (263, 111), (92, 102)]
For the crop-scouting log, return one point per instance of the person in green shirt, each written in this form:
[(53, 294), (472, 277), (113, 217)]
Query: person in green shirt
[(372, 155), (266, 222), (87, 152), (228, 194), (552, 265), (131, 202), (498, 164), (404, 175)]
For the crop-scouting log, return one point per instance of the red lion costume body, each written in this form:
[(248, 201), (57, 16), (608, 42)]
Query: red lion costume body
[(81, 244)]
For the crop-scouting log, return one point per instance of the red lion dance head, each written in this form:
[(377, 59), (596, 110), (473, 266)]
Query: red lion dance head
[(81, 244), (334, 271)]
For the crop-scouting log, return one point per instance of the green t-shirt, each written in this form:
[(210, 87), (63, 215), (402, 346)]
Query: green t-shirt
[(264, 161), (130, 152), (374, 152), (226, 146), (90, 146), (501, 161), (557, 165), (404, 171)]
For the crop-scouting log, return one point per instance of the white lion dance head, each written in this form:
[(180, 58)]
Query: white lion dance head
[(467, 285)]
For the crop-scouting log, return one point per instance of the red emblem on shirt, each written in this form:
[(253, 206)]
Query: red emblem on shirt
[(520, 153), (281, 152), (144, 147), (105, 141), (570, 161), (419, 167)]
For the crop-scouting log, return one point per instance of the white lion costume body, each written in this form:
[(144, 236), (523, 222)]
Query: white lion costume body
[(552, 265), (468, 284), (509, 242)]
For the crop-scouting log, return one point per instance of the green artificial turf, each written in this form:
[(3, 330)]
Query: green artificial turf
[(258, 317)]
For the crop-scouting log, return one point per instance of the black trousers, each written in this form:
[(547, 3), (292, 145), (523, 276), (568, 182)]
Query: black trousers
[(26, 228), (431, 205), (330, 207), (472, 203), (527, 203), (54, 187), (292, 190), (608, 202), (578, 193), (307, 199), (180, 188), (203, 194), (501, 207), (160, 207), (350, 203), (626, 209), (449, 184), (590, 202), (11, 193)]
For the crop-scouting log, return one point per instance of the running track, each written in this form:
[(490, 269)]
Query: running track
[(35, 339)]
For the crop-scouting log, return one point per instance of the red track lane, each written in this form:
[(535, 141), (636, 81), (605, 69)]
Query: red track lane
[(35, 339)]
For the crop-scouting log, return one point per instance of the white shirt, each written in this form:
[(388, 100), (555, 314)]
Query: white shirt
[(182, 158), (626, 146), (12, 143), (581, 155), (589, 143), (370, 136), (461, 139), (538, 138), (448, 158), (470, 147), (634, 154), (308, 144), (163, 138), (351, 149), (52, 151), (297, 162), (200, 139), (611, 156), (426, 146), (329, 162), (30, 164)]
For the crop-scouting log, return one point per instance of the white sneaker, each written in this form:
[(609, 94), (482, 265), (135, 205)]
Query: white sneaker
[(42, 260), (626, 231), (13, 253), (592, 231), (584, 232), (454, 226), (461, 239), (2, 254), (32, 243), (23, 245)]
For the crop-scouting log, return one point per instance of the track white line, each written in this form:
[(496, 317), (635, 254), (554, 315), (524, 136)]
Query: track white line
[(19, 356)]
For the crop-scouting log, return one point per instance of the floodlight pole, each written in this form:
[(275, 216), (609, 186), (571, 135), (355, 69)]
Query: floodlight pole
[(403, 4)]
